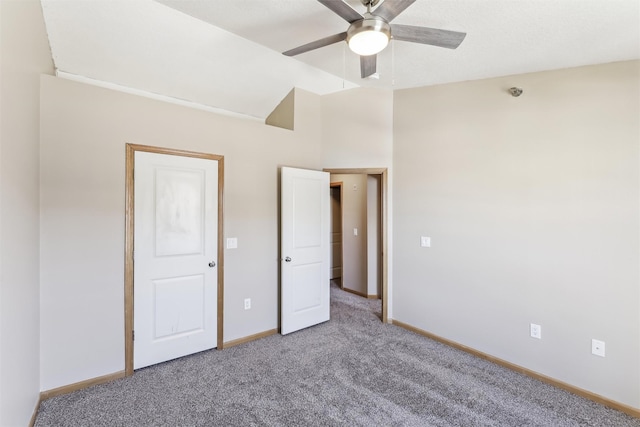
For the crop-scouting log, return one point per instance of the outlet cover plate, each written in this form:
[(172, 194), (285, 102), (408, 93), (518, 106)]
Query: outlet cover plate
[(597, 348), (536, 331)]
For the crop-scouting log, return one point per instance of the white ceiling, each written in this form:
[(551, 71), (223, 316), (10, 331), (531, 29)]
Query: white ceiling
[(225, 54)]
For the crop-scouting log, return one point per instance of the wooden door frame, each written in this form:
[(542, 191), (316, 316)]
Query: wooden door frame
[(131, 149), (382, 172)]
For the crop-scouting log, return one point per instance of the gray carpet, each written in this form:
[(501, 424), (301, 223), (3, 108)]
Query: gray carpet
[(353, 370)]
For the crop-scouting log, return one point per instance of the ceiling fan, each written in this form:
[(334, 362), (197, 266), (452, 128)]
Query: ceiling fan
[(370, 33)]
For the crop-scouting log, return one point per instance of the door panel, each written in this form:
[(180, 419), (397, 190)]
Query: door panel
[(175, 240), (305, 248), (306, 294), (308, 212), (179, 206), (177, 306)]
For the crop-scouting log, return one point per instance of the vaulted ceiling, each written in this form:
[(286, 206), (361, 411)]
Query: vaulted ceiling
[(226, 54)]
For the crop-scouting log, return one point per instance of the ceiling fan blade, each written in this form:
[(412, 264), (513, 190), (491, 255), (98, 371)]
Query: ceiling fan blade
[(389, 9), (367, 65), (432, 36), (316, 44), (341, 8)]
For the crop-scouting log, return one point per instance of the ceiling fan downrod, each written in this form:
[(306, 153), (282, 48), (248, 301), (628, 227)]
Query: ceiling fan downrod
[(370, 3)]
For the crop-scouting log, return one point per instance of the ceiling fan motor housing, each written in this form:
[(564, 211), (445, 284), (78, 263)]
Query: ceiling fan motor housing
[(368, 36)]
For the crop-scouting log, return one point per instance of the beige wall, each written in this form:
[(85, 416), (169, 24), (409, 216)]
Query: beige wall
[(373, 235), (84, 131), (357, 132), (357, 128), (24, 55), (532, 204), (283, 116), (354, 216)]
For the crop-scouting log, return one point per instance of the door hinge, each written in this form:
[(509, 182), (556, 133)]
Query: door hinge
[(133, 335)]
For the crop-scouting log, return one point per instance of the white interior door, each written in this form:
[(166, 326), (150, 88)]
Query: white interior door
[(175, 256), (304, 248)]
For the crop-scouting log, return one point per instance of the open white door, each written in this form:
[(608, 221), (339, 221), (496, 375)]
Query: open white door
[(175, 256), (304, 248)]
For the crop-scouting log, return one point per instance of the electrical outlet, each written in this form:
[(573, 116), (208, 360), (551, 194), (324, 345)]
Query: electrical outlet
[(247, 303), (597, 348), (536, 331)]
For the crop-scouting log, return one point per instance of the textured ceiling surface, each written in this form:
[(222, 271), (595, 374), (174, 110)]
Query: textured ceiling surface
[(226, 54)]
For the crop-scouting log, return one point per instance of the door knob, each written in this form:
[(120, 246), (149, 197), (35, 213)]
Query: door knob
[(212, 264), (287, 259)]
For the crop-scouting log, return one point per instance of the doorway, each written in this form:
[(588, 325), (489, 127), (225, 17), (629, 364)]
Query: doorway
[(379, 268), (179, 216), (336, 233)]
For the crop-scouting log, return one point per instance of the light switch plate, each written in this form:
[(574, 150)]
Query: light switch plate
[(355, 231), (232, 243), (425, 241)]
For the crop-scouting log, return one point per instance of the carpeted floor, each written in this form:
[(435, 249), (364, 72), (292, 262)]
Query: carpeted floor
[(353, 370)]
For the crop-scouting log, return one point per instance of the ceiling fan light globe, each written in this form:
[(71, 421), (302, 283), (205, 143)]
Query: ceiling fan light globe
[(368, 43), (368, 36)]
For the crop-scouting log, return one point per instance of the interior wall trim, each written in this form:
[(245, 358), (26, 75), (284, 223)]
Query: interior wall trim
[(32, 422), (250, 338), (629, 410), (70, 388), (360, 294)]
